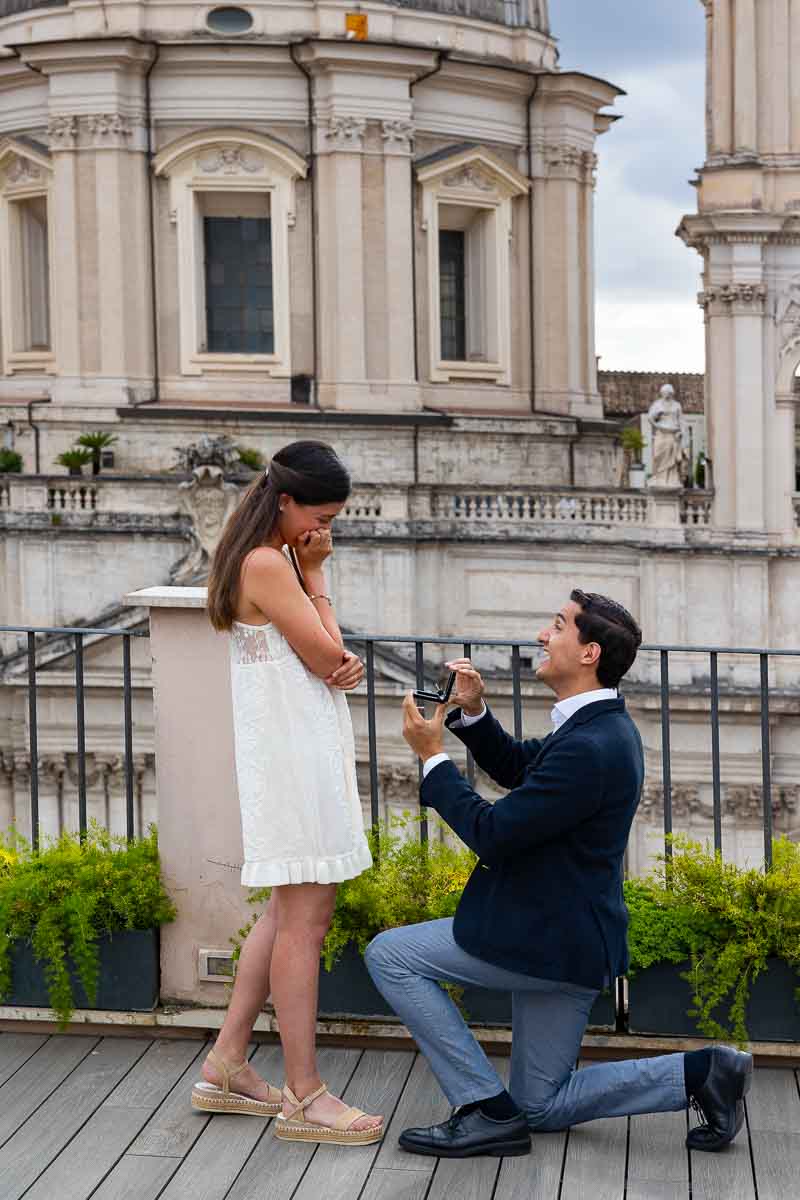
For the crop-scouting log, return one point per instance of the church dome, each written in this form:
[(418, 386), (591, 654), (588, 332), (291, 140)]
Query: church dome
[(515, 13)]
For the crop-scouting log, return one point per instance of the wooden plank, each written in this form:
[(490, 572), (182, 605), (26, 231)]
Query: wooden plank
[(137, 1178), (467, 1178), (396, 1185), (175, 1125), (773, 1105), (537, 1177), (655, 1189), (16, 1049), (33, 1147), (217, 1158), (31, 1085), (340, 1172), (283, 1163), (595, 1160), (156, 1073), (421, 1103), (657, 1150), (776, 1158), (726, 1176), (95, 1150)]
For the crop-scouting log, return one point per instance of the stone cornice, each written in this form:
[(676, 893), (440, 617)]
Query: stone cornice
[(723, 299)]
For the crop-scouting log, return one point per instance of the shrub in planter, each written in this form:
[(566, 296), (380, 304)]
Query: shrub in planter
[(97, 441), (250, 458), (63, 898), (10, 461), (730, 923), (75, 460)]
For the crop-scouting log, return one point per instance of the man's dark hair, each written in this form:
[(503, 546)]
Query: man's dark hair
[(613, 628)]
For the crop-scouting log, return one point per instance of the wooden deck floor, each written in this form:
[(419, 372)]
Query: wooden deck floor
[(109, 1118)]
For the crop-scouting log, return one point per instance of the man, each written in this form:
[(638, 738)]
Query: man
[(542, 915)]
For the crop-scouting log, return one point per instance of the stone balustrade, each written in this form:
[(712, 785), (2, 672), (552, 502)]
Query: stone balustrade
[(614, 510)]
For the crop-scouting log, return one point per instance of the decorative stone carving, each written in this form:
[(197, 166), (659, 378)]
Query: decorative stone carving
[(62, 132), (23, 170), (787, 314), (685, 801), (728, 294), (345, 133), (470, 176), (398, 785), (566, 161), (398, 136), (208, 451), (209, 501), (230, 160), (108, 128)]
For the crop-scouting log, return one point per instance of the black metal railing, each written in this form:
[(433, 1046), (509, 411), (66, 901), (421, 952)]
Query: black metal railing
[(709, 683), (409, 653), (74, 643)]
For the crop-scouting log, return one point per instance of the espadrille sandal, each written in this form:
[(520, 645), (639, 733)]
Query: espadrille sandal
[(210, 1098), (295, 1129)]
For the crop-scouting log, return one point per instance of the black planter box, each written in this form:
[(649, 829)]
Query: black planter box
[(658, 1000), (128, 979), (348, 990)]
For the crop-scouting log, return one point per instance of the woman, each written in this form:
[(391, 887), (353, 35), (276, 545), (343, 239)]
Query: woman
[(302, 825)]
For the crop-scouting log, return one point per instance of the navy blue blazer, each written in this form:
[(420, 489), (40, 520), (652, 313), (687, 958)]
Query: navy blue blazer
[(546, 896)]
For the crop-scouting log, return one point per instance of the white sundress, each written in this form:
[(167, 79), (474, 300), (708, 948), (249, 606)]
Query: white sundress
[(295, 767)]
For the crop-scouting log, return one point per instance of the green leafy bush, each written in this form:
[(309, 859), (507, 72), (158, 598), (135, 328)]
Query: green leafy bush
[(75, 459), (63, 896), (10, 461), (407, 883), (727, 920), (248, 457)]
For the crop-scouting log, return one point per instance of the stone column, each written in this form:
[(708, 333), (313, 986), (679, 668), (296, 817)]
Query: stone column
[(565, 120), (101, 223), (720, 68), (745, 70)]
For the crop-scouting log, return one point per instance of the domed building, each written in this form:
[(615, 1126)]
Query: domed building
[(382, 207)]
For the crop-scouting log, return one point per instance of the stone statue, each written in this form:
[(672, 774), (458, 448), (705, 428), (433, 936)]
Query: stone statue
[(209, 501), (669, 454)]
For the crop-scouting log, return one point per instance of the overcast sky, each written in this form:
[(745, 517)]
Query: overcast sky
[(647, 280)]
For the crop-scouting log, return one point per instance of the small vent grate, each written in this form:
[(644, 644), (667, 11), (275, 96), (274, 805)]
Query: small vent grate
[(215, 966)]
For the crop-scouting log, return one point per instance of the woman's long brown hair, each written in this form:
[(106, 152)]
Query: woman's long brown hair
[(309, 472)]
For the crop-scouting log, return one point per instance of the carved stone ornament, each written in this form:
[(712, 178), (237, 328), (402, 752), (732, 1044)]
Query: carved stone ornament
[(23, 171), (208, 501), (727, 294), (562, 160), (399, 786), (685, 801), (345, 132), (397, 135), (62, 132), (787, 312), (470, 176), (230, 160), (108, 126)]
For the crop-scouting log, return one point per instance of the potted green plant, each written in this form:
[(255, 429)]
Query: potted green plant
[(700, 471), (715, 948), (10, 461), (75, 459), (250, 458), (97, 442), (408, 883), (633, 444), (79, 922)]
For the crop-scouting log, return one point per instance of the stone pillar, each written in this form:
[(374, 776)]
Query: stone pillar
[(199, 828), (746, 233), (565, 121), (362, 110), (101, 223)]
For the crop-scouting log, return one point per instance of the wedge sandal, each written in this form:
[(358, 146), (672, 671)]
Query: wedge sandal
[(294, 1127), (209, 1098)]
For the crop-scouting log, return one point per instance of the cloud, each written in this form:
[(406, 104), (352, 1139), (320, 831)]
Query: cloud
[(647, 280)]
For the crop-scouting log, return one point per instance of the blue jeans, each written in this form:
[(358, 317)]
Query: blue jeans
[(548, 1022)]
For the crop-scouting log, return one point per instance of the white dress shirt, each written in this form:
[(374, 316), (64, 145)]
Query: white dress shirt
[(561, 711)]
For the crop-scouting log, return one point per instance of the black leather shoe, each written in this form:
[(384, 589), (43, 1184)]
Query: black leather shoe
[(467, 1134), (719, 1102)]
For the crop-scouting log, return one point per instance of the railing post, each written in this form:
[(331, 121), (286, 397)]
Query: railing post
[(666, 762), (128, 724), (33, 740), (715, 767), (419, 659), (766, 765), (81, 735), (374, 800)]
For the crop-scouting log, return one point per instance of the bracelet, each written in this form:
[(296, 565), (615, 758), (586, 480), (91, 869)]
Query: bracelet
[(321, 597)]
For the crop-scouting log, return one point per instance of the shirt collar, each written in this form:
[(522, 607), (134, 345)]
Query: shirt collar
[(564, 709)]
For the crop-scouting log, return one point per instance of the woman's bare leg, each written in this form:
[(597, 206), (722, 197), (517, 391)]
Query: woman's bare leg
[(250, 992), (304, 915)]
